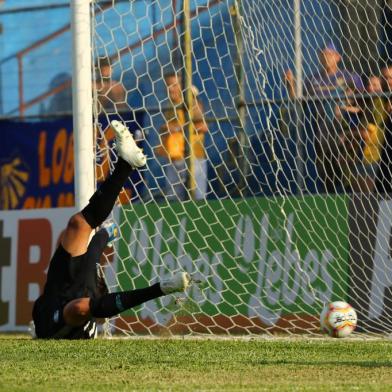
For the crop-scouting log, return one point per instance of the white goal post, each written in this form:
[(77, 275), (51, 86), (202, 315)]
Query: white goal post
[(266, 125), (82, 101)]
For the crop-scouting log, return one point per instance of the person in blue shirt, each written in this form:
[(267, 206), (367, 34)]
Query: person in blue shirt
[(326, 91), (329, 83)]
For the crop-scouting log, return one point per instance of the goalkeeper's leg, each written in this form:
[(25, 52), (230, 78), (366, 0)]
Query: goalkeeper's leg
[(80, 310), (77, 233), (84, 270)]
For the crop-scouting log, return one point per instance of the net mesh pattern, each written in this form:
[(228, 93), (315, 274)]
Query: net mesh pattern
[(267, 129)]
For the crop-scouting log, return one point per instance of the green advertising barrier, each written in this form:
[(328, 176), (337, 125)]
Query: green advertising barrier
[(257, 258)]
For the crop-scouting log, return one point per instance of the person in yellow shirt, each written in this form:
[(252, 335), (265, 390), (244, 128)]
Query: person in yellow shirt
[(173, 143), (375, 113)]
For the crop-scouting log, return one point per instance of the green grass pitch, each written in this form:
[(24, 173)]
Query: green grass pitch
[(194, 365)]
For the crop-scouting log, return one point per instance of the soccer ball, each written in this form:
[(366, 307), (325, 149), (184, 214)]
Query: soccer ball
[(338, 319)]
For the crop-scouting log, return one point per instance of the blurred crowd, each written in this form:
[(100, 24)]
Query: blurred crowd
[(349, 115), (351, 119), (181, 134)]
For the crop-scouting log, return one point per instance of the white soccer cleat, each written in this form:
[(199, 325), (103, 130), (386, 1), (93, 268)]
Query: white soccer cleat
[(180, 281), (32, 329), (126, 146)]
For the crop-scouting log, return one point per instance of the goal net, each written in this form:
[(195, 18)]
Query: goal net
[(264, 124)]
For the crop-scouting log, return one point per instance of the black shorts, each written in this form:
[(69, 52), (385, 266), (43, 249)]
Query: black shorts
[(59, 290), (49, 322), (48, 316)]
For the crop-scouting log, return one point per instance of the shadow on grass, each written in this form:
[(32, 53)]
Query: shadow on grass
[(230, 364), (364, 364)]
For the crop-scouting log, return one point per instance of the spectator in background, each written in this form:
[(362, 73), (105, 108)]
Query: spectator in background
[(329, 83), (359, 126), (347, 130), (173, 142), (384, 175), (374, 85), (112, 104), (387, 78), (372, 131), (363, 123), (329, 86), (61, 101), (111, 93)]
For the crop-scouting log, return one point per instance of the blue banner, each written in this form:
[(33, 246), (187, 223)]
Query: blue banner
[(37, 165)]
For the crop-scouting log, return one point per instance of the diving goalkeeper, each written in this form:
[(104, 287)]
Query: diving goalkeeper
[(72, 298)]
